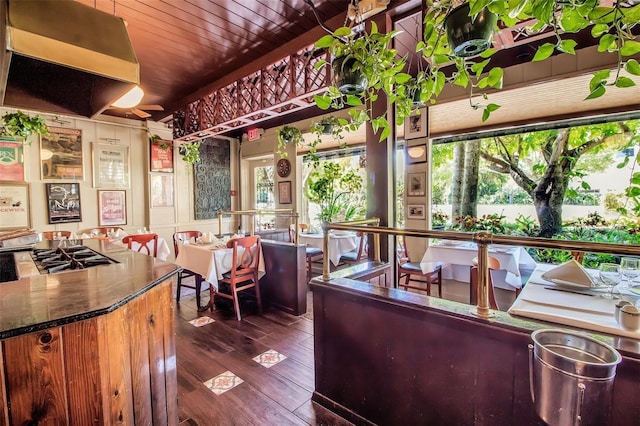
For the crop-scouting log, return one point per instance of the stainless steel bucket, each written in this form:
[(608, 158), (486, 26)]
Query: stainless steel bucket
[(571, 377)]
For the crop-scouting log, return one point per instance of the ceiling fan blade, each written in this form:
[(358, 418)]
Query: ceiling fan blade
[(150, 107), (140, 113)]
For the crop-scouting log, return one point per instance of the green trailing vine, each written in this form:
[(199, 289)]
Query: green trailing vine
[(190, 152), (20, 125)]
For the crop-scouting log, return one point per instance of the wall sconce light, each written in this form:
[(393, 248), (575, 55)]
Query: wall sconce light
[(130, 99)]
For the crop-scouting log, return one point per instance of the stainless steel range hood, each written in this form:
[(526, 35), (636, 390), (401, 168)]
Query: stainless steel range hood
[(61, 56)]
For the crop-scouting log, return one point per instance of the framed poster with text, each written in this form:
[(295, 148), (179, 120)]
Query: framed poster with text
[(61, 154), (11, 160), (112, 208), (161, 156), (161, 190), (63, 201), (14, 205), (110, 166)]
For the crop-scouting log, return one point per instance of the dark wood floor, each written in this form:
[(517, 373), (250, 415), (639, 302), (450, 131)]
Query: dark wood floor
[(279, 395)]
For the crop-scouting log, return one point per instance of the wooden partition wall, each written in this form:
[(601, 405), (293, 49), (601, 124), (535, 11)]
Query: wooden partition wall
[(389, 357)]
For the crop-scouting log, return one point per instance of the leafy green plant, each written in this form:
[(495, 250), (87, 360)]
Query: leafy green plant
[(288, 135), (190, 152), (329, 186), (439, 218), (155, 139), (611, 25), (20, 125), (487, 222), (370, 54)]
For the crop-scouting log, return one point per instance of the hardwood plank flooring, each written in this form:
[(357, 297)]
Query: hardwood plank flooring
[(279, 395)]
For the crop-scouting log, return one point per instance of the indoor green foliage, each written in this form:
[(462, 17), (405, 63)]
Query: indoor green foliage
[(288, 135), (611, 25), (20, 125), (190, 152), (330, 186), (370, 54)]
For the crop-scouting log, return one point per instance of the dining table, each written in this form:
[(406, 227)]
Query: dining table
[(457, 258), (575, 306), (163, 247), (340, 242)]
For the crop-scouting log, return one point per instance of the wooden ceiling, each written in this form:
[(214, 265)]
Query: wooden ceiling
[(186, 46)]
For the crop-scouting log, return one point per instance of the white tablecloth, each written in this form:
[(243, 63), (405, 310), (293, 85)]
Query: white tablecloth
[(459, 259), (576, 310), (339, 243), (210, 261)]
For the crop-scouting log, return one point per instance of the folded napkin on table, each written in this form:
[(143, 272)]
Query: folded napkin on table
[(236, 236), (208, 237), (570, 272)]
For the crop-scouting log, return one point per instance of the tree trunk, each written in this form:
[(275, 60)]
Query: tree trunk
[(469, 204), (548, 197), (458, 179)]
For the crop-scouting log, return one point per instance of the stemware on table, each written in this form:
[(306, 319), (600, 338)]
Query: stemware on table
[(630, 268), (609, 274)]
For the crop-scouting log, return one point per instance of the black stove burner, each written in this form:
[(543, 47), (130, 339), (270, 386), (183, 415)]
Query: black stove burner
[(72, 257)]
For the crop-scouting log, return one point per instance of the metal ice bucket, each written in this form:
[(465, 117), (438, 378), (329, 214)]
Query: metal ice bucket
[(571, 377)]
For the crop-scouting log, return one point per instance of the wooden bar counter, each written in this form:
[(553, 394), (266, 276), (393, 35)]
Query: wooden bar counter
[(92, 346)]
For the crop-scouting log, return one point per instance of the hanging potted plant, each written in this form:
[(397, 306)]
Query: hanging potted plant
[(20, 125), (288, 135), (155, 140), (469, 35), (190, 152), (368, 54), (613, 27)]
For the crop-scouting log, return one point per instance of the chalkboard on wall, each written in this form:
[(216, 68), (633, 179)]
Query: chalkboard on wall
[(213, 179)]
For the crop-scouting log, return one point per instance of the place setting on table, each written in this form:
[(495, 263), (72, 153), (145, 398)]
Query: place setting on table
[(340, 242), (594, 299)]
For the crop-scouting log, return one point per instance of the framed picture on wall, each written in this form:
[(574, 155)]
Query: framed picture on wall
[(416, 184), (415, 211), (11, 160), (112, 207), (284, 192), (161, 159), (61, 154), (14, 205), (110, 166), (161, 190), (63, 201), (416, 126)]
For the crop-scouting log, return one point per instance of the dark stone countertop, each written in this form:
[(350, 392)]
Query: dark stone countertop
[(43, 301)]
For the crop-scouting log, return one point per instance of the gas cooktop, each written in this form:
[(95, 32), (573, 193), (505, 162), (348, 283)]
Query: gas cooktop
[(65, 258)]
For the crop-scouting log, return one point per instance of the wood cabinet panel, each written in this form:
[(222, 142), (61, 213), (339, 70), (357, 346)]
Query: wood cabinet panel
[(140, 362), (4, 410), (35, 378)]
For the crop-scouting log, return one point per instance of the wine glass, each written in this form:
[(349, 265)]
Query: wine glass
[(630, 268), (610, 276)]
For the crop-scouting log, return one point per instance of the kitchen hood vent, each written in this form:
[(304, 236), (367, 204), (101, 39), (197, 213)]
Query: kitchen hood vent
[(62, 56)]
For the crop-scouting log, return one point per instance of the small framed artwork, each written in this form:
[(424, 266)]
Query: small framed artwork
[(415, 211), (112, 207), (416, 125), (416, 184), (417, 154), (11, 160), (284, 192), (110, 166), (63, 201), (161, 190), (61, 154), (161, 159), (14, 205)]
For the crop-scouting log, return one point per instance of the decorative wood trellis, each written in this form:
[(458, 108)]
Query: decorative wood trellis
[(281, 88)]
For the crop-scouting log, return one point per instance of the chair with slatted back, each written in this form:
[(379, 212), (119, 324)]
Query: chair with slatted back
[(313, 254), (147, 243), (178, 238), (429, 273), (244, 272), (494, 264), (358, 255), (51, 235)]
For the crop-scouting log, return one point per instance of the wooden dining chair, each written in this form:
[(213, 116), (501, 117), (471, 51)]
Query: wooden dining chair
[(494, 264), (360, 254), (50, 235), (178, 238), (413, 272), (244, 272), (144, 241)]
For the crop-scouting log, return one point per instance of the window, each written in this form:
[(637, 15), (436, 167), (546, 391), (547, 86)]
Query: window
[(263, 178)]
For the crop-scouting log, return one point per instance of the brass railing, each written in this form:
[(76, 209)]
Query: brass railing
[(253, 213), (483, 240)]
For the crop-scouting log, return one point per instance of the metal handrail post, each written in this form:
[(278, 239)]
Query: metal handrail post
[(482, 309), (326, 268)]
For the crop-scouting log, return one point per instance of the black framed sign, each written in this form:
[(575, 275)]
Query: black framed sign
[(63, 201)]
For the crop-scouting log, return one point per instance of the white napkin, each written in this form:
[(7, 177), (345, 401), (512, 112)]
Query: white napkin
[(85, 236), (571, 273), (208, 237)]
